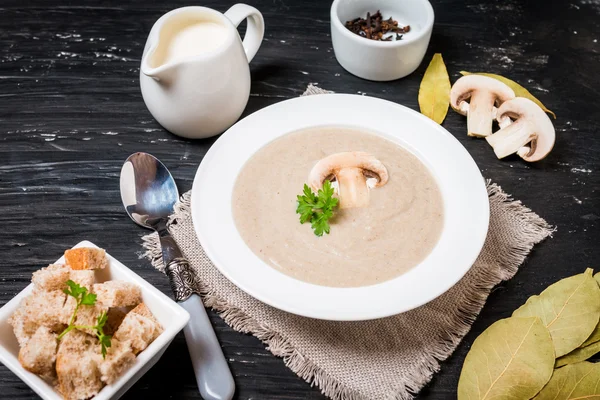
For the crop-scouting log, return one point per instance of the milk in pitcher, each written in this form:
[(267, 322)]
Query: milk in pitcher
[(191, 40)]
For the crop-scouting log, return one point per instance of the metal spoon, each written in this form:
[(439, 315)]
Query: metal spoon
[(149, 193)]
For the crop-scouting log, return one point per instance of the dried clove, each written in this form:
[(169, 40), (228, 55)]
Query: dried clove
[(374, 27)]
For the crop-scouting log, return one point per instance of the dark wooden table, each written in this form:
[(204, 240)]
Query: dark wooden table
[(71, 112)]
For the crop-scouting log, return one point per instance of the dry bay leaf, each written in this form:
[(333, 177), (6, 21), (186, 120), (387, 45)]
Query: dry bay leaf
[(577, 355), (434, 92), (569, 308), (594, 337), (513, 358), (519, 90), (574, 381)]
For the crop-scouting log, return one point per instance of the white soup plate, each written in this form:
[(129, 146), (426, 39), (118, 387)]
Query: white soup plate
[(465, 199)]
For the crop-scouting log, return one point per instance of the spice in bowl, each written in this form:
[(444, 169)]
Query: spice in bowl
[(374, 27)]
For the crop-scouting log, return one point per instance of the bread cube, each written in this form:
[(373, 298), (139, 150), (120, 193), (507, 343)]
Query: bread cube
[(85, 278), (119, 358), (83, 258), (41, 308), (88, 315), (143, 310), (139, 327), (67, 309), (76, 342), (77, 362), (21, 326), (53, 277), (78, 375), (118, 293), (38, 355)]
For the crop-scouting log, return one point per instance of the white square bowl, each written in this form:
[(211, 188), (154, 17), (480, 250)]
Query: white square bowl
[(170, 315)]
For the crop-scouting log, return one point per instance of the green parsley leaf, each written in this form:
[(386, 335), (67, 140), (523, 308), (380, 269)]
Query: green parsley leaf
[(308, 193), (305, 210), (317, 208), (320, 224), (74, 289), (105, 340), (88, 299), (105, 343), (102, 318)]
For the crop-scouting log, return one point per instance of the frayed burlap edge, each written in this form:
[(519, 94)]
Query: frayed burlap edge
[(474, 299)]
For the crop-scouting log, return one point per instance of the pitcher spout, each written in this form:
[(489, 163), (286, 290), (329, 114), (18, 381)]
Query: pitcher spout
[(163, 73), (149, 67), (152, 65)]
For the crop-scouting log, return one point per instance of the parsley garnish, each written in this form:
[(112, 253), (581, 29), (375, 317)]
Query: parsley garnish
[(86, 299), (104, 339), (317, 208)]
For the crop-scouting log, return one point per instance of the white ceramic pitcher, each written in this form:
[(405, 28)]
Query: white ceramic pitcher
[(201, 95)]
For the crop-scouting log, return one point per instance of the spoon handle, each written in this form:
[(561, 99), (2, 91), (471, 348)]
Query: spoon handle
[(213, 376), (212, 372)]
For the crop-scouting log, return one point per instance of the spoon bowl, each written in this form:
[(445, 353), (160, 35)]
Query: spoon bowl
[(148, 190)]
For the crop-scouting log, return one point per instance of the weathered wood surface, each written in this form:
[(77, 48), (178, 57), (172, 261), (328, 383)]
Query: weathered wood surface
[(71, 111)]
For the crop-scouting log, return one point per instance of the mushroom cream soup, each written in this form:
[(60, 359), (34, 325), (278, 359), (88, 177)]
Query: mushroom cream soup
[(390, 230)]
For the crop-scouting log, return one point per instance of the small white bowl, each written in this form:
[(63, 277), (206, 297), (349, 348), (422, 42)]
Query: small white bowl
[(375, 60), (171, 316)]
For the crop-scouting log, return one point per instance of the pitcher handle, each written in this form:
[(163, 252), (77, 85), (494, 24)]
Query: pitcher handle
[(255, 30)]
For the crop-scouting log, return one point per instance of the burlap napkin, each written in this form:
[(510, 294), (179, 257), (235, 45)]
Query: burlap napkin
[(390, 358)]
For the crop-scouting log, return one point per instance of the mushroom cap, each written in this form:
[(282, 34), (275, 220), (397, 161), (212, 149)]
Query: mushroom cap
[(521, 108), (330, 165), (465, 86)]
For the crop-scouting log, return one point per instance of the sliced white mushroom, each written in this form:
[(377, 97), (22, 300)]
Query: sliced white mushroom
[(525, 129), (477, 97), (355, 173)]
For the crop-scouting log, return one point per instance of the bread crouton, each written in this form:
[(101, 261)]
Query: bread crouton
[(115, 317), (77, 366), (78, 376), (21, 327), (142, 309), (140, 327), (39, 354), (118, 293), (119, 358), (53, 277), (41, 308), (77, 341), (86, 258), (88, 315), (85, 278)]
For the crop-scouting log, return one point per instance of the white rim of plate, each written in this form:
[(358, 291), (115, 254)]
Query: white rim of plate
[(466, 207)]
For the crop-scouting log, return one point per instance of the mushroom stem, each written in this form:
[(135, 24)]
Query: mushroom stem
[(476, 97), (512, 138), (531, 135), (355, 172), (481, 114), (504, 121), (353, 189)]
